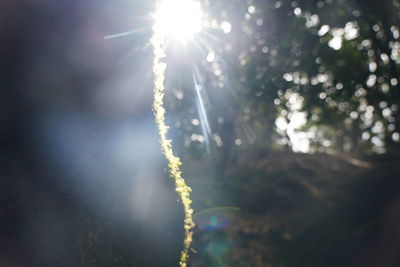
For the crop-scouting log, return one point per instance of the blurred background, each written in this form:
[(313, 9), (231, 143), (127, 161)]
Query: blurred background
[(284, 113)]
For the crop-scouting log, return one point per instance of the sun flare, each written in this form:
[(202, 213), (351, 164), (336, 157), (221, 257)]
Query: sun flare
[(178, 19)]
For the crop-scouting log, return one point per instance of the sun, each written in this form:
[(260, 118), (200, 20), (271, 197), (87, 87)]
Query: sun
[(178, 19)]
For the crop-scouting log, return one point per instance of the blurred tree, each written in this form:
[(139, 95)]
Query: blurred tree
[(311, 75)]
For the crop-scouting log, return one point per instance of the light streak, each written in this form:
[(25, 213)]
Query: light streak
[(122, 34), (202, 110)]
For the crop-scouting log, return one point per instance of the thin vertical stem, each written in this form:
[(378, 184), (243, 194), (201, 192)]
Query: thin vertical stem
[(174, 162)]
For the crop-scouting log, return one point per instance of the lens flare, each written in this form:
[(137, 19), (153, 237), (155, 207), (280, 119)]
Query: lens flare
[(178, 19), (215, 219)]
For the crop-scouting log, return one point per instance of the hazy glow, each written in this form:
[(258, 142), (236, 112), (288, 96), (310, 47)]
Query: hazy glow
[(179, 19)]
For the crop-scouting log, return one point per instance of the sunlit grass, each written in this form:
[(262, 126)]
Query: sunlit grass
[(179, 19)]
